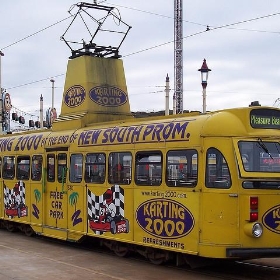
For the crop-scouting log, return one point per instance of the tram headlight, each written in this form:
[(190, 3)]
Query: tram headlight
[(257, 230), (253, 229)]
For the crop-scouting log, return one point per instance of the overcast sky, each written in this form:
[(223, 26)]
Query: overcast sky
[(244, 58)]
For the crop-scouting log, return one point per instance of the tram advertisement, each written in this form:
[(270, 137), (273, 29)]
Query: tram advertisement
[(154, 132), (165, 219)]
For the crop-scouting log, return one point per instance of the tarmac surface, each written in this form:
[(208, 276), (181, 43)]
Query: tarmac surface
[(273, 262), (27, 258)]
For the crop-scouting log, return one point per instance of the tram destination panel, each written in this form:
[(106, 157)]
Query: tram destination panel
[(265, 118)]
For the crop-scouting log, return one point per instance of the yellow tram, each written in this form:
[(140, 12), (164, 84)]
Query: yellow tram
[(201, 185), (187, 185)]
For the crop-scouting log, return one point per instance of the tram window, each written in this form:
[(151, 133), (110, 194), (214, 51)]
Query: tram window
[(76, 168), (61, 167), (264, 185), (51, 168), (148, 171), (217, 171), (36, 167), (23, 167), (8, 167), (181, 169), (260, 156), (95, 168), (120, 168)]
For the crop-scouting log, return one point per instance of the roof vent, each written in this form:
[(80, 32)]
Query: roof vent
[(255, 103)]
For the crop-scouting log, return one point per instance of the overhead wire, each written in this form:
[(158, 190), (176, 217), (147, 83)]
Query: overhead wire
[(37, 32), (163, 44), (201, 24), (246, 21), (34, 82), (208, 28), (156, 14)]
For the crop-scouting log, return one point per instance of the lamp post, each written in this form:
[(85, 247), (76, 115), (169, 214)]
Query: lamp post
[(1, 97), (1, 54), (204, 77), (52, 81), (167, 88)]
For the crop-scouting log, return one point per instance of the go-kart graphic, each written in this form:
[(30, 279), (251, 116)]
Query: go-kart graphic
[(14, 201), (13, 210), (106, 216), (104, 223)]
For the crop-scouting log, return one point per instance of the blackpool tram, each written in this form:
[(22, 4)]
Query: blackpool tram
[(179, 186)]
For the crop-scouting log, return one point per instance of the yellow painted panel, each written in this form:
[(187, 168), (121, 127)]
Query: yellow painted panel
[(167, 219), (36, 203), (95, 85), (219, 219), (77, 214)]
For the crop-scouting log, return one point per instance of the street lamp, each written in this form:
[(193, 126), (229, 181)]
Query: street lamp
[(1, 97), (52, 81), (1, 54), (204, 77)]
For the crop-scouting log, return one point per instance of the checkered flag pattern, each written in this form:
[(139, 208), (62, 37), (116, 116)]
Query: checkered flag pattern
[(9, 194), (95, 202)]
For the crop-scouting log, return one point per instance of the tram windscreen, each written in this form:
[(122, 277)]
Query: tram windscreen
[(260, 156)]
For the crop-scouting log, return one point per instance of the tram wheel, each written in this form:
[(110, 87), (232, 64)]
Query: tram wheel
[(157, 257), (28, 231), (121, 251), (11, 227), (156, 261)]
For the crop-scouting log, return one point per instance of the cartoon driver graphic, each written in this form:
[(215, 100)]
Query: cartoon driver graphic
[(16, 196), (110, 207)]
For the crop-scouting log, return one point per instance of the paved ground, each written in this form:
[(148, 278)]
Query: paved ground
[(26, 258), (275, 262)]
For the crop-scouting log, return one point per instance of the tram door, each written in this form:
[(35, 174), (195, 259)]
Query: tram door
[(55, 195), (219, 205)]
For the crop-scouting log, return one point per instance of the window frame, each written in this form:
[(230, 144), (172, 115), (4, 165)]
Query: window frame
[(61, 167), (36, 167), (120, 167), (76, 168), (222, 177), (12, 160), (51, 168), (146, 177), (93, 162), (21, 174), (182, 174)]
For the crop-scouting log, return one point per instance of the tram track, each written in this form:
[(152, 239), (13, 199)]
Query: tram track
[(242, 270)]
